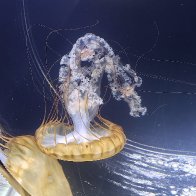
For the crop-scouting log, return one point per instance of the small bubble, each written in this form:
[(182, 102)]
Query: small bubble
[(173, 192)]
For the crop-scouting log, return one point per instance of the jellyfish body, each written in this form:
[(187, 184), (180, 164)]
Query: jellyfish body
[(8, 185), (108, 141), (31, 170), (80, 78)]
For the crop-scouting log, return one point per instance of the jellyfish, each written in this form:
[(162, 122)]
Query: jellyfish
[(83, 135), (28, 170), (8, 185)]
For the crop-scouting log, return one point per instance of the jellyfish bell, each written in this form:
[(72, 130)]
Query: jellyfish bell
[(89, 137), (8, 185), (30, 170), (99, 143)]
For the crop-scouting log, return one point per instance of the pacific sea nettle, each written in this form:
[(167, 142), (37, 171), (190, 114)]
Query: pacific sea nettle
[(89, 137), (25, 170)]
